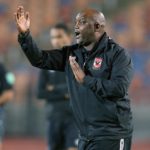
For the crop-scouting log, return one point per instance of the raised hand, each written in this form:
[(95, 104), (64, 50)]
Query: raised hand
[(22, 20), (77, 71)]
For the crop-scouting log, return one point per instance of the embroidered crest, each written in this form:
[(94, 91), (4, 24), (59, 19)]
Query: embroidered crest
[(97, 63)]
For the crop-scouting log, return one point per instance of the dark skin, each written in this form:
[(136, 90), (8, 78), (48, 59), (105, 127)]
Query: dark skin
[(89, 27)]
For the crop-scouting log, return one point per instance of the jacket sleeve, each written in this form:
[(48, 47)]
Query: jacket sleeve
[(52, 59), (120, 79)]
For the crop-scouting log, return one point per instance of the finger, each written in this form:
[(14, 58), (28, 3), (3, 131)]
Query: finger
[(71, 60), (21, 11), (76, 75), (27, 15), (78, 72), (72, 64), (77, 69), (18, 12), (76, 64), (74, 71), (21, 7)]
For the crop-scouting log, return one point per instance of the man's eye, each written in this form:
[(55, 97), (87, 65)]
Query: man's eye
[(82, 22)]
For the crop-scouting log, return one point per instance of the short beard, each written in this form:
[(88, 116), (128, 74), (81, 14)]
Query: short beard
[(85, 43)]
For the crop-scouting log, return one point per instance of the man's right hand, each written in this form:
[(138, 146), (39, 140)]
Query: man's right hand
[(22, 20)]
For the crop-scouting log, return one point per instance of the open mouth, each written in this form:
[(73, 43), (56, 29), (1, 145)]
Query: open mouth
[(77, 34)]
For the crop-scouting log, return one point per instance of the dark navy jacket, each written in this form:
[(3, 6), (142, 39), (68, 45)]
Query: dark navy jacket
[(101, 104)]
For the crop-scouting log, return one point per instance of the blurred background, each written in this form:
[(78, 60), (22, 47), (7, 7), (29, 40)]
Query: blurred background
[(128, 23)]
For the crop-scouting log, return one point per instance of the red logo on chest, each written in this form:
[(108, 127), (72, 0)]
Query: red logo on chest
[(97, 63)]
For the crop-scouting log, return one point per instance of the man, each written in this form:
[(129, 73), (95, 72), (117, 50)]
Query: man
[(62, 133), (6, 94), (98, 72)]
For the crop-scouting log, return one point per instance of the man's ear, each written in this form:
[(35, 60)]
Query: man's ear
[(97, 27)]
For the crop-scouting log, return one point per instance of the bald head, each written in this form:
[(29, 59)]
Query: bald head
[(90, 23), (94, 15)]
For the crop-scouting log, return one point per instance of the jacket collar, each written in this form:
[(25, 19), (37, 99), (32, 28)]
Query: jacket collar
[(102, 43), (99, 45)]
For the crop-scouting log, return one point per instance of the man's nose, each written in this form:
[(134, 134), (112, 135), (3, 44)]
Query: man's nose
[(77, 25)]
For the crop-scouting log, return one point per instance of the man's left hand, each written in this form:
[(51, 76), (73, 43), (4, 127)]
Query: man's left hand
[(77, 71)]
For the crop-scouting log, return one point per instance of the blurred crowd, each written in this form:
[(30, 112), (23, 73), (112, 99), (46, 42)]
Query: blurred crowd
[(128, 25)]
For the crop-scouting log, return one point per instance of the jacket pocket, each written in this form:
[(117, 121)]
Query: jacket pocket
[(124, 114), (107, 109), (110, 110)]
